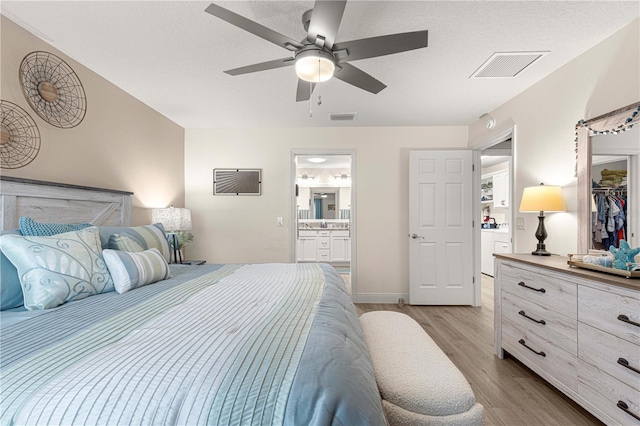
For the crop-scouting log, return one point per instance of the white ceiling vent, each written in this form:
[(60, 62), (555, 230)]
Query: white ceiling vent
[(343, 116), (507, 64)]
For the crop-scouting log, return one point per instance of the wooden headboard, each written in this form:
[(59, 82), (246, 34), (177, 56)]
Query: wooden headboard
[(61, 203)]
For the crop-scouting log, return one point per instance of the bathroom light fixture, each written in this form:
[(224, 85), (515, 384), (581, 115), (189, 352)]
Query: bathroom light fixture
[(315, 65), (316, 160), (542, 199)]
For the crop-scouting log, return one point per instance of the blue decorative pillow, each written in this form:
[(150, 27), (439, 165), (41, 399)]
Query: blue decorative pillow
[(147, 236), (30, 227), (123, 243), (57, 269), (10, 289), (134, 269)]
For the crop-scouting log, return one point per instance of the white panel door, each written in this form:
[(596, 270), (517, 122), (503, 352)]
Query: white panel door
[(440, 227)]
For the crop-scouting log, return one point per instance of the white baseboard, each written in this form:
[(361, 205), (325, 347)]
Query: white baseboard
[(381, 298)]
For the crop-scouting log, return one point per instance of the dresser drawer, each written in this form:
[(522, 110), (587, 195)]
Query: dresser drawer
[(307, 233), (323, 242), (610, 312), (558, 364), (339, 233), (546, 290), (605, 393), (609, 354), (550, 325), (324, 233), (323, 255)]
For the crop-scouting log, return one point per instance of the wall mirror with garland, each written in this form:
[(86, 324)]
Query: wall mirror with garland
[(608, 171)]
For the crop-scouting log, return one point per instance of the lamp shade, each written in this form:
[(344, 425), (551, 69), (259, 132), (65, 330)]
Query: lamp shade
[(172, 218), (315, 66), (542, 198)]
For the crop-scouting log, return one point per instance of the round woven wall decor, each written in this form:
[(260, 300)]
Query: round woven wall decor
[(53, 89), (19, 136)]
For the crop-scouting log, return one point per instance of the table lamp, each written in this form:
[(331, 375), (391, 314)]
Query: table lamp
[(173, 219), (542, 199)]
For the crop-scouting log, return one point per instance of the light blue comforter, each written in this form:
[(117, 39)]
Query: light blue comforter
[(217, 344)]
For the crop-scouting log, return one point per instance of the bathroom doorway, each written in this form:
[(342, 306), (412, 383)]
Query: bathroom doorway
[(323, 213)]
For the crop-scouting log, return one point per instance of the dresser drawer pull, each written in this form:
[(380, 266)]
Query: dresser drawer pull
[(623, 362), (624, 407), (543, 322), (541, 290), (626, 319), (523, 343)]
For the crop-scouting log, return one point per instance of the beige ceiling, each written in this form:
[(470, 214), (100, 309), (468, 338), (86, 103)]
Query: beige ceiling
[(171, 54)]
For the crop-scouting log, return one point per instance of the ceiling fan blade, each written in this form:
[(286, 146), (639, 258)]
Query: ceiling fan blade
[(253, 27), (325, 21), (263, 66), (383, 45), (357, 77), (303, 93)]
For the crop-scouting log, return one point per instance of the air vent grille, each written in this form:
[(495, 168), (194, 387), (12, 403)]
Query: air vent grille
[(343, 116), (507, 64)]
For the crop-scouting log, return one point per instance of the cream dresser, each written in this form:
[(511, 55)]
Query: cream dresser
[(578, 329)]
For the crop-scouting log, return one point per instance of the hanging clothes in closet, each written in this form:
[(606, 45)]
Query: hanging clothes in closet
[(608, 218)]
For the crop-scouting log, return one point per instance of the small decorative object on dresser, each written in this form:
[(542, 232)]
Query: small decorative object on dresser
[(624, 257), (542, 199), (578, 329)]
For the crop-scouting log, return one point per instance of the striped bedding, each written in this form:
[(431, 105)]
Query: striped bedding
[(276, 344)]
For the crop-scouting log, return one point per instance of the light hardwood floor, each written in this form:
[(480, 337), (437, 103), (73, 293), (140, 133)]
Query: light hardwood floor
[(510, 392)]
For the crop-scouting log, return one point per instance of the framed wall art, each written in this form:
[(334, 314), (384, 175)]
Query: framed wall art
[(237, 181)]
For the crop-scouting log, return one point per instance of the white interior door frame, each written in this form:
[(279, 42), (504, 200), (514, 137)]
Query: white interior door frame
[(354, 212), (510, 132)]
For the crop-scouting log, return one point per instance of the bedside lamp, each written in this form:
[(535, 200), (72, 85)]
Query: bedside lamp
[(173, 219), (542, 199)]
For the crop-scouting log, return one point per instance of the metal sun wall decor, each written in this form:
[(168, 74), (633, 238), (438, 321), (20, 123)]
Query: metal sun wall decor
[(19, 136), (237, 181), (53, 89)]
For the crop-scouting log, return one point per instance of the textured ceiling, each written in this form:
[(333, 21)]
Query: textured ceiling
[(171, 54)]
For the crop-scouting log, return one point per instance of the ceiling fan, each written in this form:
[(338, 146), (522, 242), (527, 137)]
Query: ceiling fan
[(318, 57)]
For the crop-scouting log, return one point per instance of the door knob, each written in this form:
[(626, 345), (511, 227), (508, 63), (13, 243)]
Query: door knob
[(416, 236)]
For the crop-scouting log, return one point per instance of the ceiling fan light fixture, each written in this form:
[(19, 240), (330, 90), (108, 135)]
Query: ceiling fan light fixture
[(315, 65)]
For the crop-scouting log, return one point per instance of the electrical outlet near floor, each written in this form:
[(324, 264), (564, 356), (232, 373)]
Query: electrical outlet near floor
[(519, 222)]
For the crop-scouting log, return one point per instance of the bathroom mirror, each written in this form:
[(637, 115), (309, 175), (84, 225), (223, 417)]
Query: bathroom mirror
[(324, 203), (608, 170)]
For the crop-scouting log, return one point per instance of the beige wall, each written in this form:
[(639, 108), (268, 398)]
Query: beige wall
[(600, 80), (121, 143), (243, 228)]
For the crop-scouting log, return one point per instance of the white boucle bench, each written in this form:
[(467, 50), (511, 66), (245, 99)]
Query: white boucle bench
[(418, 383)]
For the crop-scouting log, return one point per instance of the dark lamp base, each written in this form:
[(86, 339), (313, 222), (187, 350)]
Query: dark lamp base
[(541, 235), (542, 252)]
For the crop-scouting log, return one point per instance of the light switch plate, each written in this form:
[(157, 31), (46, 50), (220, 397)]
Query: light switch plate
[(279, 221), (519, 222)]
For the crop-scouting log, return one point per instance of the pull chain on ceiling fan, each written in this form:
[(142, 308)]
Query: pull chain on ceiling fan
[(311, 90), (321, 24)]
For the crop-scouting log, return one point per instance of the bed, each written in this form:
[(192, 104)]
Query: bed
[(214, 344)]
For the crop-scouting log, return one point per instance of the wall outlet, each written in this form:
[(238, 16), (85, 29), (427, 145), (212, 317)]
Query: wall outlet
[(279, 221), (519, 222)]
